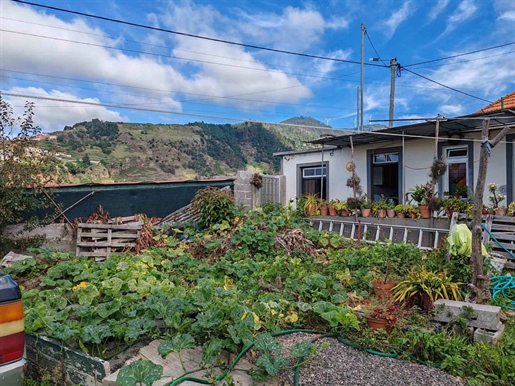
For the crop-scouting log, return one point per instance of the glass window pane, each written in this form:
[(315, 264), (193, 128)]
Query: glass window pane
[(457, 175), (462, 152)]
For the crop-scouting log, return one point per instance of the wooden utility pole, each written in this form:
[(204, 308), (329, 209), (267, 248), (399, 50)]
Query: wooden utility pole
[(480, 285)]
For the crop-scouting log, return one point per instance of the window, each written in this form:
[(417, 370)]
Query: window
[(314, 180), (455, 180), (386, 158)]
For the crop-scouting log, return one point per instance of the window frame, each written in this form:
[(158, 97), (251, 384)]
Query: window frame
[(300, 176), (443, 147)]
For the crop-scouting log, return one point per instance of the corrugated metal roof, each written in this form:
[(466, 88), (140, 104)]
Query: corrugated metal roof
[(448, 127)]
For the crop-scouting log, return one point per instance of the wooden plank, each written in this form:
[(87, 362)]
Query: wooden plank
[(93, 254), (111, 226), (504, 219), (115, 235), (91, 244), (500, 227), (504, 236)]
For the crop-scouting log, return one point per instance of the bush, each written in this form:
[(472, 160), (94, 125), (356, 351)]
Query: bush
[(215, 205)]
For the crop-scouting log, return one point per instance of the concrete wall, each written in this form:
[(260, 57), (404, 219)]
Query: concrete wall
[(59, 236), (418, 156)]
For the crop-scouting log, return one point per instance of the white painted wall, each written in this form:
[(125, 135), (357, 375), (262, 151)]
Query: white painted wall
[(418, 156)]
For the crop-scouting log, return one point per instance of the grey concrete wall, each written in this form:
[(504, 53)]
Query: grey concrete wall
[(244, 192), (59, 236)]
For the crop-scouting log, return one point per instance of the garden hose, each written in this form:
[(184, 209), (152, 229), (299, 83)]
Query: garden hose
[(235, 361), (500, 284), (297, 365)]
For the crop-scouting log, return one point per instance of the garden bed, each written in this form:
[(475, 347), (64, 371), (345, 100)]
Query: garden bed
[(246, 277)]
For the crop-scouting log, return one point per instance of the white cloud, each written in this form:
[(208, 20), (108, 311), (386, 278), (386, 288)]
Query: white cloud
[(397, 18), (466, 9), (452, 110), (437, 9), (54, 115), (508, 15)]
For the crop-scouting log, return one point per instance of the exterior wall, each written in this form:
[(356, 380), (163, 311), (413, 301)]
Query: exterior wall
[(417, 158)]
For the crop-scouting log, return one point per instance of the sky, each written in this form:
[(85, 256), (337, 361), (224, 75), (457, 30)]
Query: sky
[(52, 54)]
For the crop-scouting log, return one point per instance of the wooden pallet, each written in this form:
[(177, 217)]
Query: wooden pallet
[(503, 229), (100, 240)]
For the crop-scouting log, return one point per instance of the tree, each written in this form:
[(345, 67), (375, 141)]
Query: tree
[(25, 170)]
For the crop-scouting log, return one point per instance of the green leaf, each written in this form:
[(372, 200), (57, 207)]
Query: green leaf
[(176, 344), (299, 350), (267, 344), (271, 365), (211, 349), (106, 309), (139, 372)]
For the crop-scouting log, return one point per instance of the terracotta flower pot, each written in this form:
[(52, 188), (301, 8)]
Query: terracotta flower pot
[(311, 210), (424, 211), (324, 210), (344, 213), (390, 213), (500, 212), (366, 212), (401, 215), (377, 324), (383, 289), (412, 215), (332, 211), (381, 213)]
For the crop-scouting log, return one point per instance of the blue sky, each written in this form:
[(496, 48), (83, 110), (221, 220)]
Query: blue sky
[(124, 65)]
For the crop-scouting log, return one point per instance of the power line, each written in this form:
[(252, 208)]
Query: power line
[(150, 44), (463, 54), (192, 35), (208, 97), (95, 104), (469, 60), (443, 85), (163, 55), (372, 44)]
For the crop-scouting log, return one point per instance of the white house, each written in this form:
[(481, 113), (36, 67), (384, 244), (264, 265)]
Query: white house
[(391, 161)]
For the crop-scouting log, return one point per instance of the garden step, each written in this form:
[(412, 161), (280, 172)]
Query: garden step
[(192, 359), (486, 317)]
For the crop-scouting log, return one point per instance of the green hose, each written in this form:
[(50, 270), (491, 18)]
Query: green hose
[(235, 361)]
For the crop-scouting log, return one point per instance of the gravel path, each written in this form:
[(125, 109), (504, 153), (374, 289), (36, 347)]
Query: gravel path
[(341, 365)]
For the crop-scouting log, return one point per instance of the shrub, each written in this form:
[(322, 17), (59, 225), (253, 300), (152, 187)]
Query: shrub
[(215, 205)]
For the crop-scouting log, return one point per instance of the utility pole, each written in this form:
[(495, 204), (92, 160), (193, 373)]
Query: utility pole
[(358, 98), (362, 73), (393, 66)]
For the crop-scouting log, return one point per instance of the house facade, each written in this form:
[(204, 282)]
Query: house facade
[(391, 161)]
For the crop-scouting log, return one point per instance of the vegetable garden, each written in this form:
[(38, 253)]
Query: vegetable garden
[(246, 276)]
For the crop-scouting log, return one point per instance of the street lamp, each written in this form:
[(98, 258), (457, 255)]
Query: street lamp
[(393, 66)]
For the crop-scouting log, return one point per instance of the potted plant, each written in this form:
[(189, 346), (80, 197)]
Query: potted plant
[(341, 207), (311, 202), (324, 210), (381, 314), (331, 207), (511, 209), (453, 204), (412, 211), (390, 209), (423, 287), (400, 210), (420, 194), (353, 204), (496, 199), (379, 207), (366, 207)]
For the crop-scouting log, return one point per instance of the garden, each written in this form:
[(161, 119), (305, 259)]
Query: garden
[(239, 279)]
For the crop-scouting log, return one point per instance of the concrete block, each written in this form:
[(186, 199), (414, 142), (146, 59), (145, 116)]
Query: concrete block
[(486, 317), (482, 335)]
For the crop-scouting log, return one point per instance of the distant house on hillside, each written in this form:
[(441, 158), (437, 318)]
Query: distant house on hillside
[(391, 161)]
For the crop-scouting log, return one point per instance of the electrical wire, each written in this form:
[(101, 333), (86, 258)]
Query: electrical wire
[(458, 55), (469, 60), (163, 55), (192, 35), (155, 45), (347, 131), (372, 44), (443, 85)]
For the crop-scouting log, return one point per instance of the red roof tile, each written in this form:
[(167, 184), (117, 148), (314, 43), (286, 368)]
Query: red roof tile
[(509, 103)]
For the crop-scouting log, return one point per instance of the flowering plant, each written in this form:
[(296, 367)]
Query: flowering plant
[(387, 310), (495, 198)]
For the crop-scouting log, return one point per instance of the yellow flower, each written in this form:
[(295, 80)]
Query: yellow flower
[(80, 285), (273, 312), (236, 219)]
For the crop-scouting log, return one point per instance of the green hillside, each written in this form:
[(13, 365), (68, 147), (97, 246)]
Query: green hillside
[(97, 151)]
